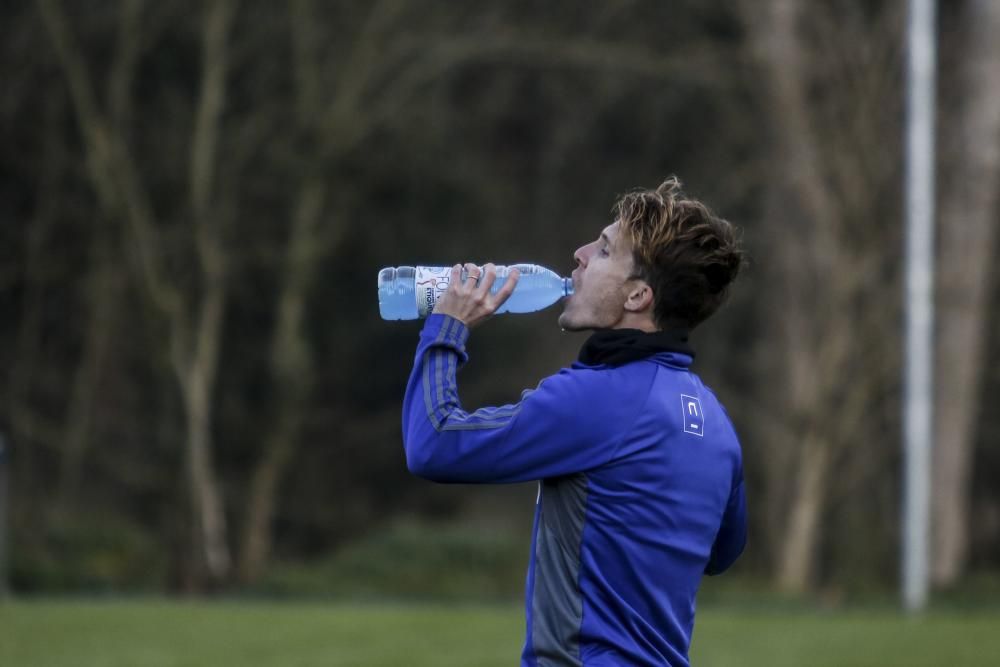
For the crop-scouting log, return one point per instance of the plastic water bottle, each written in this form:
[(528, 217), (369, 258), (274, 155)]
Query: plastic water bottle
[(408, 292)]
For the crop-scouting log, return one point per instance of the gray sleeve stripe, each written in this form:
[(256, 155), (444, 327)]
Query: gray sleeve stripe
[(439, 413), (451, 372), (428, 360), (488, 413), (463, 421), (435, 389), (428, 404), (476, 426)]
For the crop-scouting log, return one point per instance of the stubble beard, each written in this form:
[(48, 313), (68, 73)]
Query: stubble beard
[(570, 321), (590, 321)]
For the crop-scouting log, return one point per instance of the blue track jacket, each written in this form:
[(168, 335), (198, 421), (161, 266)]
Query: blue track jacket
[(641, 491)]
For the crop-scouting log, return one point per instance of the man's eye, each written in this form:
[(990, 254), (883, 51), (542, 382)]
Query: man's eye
[(604, 251)]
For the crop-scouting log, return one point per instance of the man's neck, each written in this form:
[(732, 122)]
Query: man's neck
[(640, 321)]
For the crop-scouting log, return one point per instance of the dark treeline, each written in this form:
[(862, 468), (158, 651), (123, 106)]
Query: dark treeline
[(196, 198)]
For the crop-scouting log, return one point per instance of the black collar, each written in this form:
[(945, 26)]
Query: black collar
[(620, 346)]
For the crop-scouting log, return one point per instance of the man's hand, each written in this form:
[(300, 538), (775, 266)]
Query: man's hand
[(471, 301)]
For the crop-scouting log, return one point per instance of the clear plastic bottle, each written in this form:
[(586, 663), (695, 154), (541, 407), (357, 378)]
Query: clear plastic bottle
[(409, 293)]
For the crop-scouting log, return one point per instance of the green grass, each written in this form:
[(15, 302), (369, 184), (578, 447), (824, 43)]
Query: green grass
[(156, 633)]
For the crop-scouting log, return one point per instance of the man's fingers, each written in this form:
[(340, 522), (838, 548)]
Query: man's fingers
[(488, 278), (455, 281), (508, 287), (473, 273), (471, 300)]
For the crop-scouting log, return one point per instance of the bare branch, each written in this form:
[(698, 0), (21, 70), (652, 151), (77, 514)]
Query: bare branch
[(204, 143), (109, 164), (89, 119), (305, 45), (415, 64), (777, 43), (361, 63), (123, 66)]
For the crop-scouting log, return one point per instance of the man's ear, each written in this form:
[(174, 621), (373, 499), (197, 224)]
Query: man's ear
[(640, 297)]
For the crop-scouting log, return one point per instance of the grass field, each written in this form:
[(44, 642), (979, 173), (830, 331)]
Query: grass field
[(174, 634)]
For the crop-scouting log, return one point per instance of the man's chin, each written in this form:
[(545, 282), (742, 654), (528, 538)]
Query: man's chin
[(567, 323)]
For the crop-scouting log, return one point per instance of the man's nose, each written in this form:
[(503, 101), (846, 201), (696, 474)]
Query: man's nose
[(581, 256)]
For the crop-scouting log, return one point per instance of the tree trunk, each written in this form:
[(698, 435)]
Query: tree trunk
[(267, 475), (290, 350), (196, 357), (101, 292), (776, 42), (103, 283), (967, 246), (196, 376), (797, 558), (291, 370)]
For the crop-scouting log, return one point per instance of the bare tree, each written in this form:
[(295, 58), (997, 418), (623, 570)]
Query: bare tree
[(970, 202), (826, 283), (102, 285), (290, 355), (194, 321)]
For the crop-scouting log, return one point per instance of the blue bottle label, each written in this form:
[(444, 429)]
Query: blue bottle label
[(430, 282)]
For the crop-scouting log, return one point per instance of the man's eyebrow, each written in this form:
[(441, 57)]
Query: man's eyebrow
[(607, 239)]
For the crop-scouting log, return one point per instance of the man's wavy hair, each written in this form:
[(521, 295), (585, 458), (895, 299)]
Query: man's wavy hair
[(687, 254)]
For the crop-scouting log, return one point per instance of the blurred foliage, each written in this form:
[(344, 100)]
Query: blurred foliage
[(99, 553), (411, 560)]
